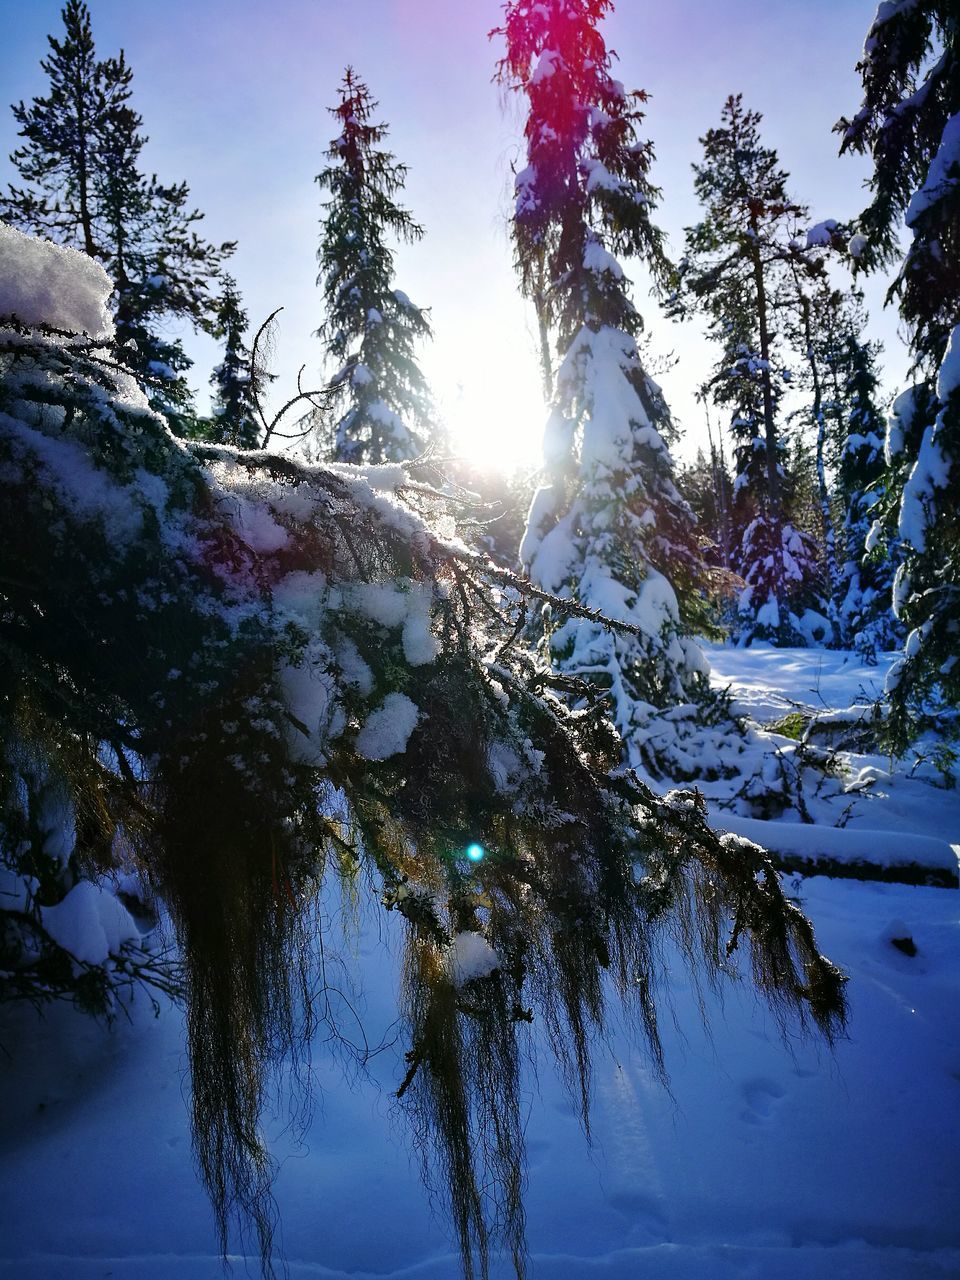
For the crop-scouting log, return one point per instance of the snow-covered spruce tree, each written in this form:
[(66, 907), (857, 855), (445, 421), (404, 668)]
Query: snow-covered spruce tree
[(380, 401), (243, 674), (813, 336), (737, 271), (852, 433), (83, 186), (909, 124), (236, 380), (609, 528)]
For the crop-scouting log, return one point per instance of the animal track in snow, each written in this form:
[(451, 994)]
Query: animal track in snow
[(761, 1097)]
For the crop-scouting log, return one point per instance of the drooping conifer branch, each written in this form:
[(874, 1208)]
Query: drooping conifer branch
[(304, 680)]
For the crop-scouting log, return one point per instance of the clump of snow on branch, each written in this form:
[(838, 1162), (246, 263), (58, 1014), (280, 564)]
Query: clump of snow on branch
[(48, 284)]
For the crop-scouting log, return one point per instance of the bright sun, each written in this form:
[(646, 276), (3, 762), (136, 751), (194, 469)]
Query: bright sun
[(488, 390), (496, 421)]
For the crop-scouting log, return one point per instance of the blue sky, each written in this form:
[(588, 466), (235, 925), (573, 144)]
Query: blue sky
[(234, 96)]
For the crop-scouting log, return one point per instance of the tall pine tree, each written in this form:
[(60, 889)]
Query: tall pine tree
[(737, 270), (57, 160), (381, 403), (610, 528)]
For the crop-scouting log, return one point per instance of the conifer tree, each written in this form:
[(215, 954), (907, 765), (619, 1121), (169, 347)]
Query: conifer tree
[(85, 188), (235, 380), (813, 337), (737, 269), (909, 125), (851, 432), (130, 214), (380, 399), (57, 160), (610, 528)]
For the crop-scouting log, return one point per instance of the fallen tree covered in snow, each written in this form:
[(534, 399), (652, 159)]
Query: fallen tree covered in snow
[(238, 675)]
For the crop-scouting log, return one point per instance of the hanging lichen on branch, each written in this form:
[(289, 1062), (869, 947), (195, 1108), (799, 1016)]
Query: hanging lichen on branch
[(268, 672)]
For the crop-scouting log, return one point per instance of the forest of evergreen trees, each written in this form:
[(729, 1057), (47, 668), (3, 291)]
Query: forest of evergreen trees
[(244, 647)]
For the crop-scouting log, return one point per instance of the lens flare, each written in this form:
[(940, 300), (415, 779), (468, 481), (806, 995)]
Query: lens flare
[(475, 852)]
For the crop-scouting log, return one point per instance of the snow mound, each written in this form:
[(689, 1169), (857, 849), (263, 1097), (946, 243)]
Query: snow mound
[(44, 283), (90, 923)]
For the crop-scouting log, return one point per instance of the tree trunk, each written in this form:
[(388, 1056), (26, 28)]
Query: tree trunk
[(769, 425), (546, 362), (829, 535)]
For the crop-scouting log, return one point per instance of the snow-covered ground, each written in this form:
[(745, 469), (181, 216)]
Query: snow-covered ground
[(878, 810), (766, 1160)]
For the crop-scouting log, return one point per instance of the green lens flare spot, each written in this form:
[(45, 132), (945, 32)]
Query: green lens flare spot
[(476, 852)]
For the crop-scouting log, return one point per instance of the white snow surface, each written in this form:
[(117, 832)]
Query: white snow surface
[(90, 922), (44, 283), (943, 174), (386, 731), (895, 813), (766, 1160), (471, 956)]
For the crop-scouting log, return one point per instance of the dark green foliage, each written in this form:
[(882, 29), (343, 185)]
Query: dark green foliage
[(58, 157), (911, 89), (380, 399), (84, 187)]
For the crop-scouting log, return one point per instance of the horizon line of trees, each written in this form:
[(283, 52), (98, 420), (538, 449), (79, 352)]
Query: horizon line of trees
[(788, 508)]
